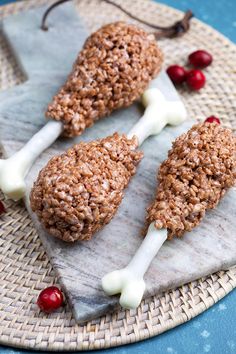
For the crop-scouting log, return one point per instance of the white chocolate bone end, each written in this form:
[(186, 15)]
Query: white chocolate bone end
[(129, 280), (112, 283), (14, 169), (12, 181), (152, 96), (158, 113), (122, 281), (132, 294), (162, 111)]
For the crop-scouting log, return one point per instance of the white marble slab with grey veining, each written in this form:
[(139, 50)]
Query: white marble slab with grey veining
[(46, 59)]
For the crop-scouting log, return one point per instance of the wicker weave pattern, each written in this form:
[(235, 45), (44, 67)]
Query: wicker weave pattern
[(24, 266)]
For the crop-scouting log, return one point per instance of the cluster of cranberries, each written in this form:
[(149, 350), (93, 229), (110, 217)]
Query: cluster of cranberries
[(194, 78)]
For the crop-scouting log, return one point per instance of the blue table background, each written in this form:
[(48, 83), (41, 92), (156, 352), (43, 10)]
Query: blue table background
[(214, 331)]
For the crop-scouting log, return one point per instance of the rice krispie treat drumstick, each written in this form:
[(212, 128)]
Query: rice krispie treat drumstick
[(78, 192), (112, 70), (200, 167)]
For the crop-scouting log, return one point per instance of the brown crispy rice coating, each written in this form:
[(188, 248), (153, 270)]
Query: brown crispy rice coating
[(199, 169), (112, 70), (78, 192)]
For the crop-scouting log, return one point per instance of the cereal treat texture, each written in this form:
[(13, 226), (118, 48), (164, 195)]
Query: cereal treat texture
[(199, 169), (78, 192), (112, 70)]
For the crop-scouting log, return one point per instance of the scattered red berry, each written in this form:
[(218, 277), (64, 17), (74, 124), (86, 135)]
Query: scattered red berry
[(50, 299), (2, 208), (200, 59), (212, 119), (195, 79), (176, 73)]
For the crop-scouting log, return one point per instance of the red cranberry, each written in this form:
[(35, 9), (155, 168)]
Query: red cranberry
[(176, 73), (200, 59), (195, 79), (212, 119), (50, 299), (2, 208)]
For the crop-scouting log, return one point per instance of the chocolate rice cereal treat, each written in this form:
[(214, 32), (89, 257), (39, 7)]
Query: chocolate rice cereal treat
[(199, 169), (78, 192), (112, 70)]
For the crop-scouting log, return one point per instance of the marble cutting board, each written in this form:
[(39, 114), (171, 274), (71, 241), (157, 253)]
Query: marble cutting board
[(46, 59)]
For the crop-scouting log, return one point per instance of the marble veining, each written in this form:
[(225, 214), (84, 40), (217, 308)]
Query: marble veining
[(46, 58)]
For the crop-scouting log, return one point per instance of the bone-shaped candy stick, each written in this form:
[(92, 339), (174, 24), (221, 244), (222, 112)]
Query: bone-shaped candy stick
[(14, 169), (96, 86), (158, 113), (129, 280)]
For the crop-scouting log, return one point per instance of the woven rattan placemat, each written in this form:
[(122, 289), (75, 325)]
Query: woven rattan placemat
[(24, 266)]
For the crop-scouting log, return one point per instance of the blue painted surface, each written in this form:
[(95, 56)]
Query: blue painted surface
[(214, 331), (4, 2), (219, 14)]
